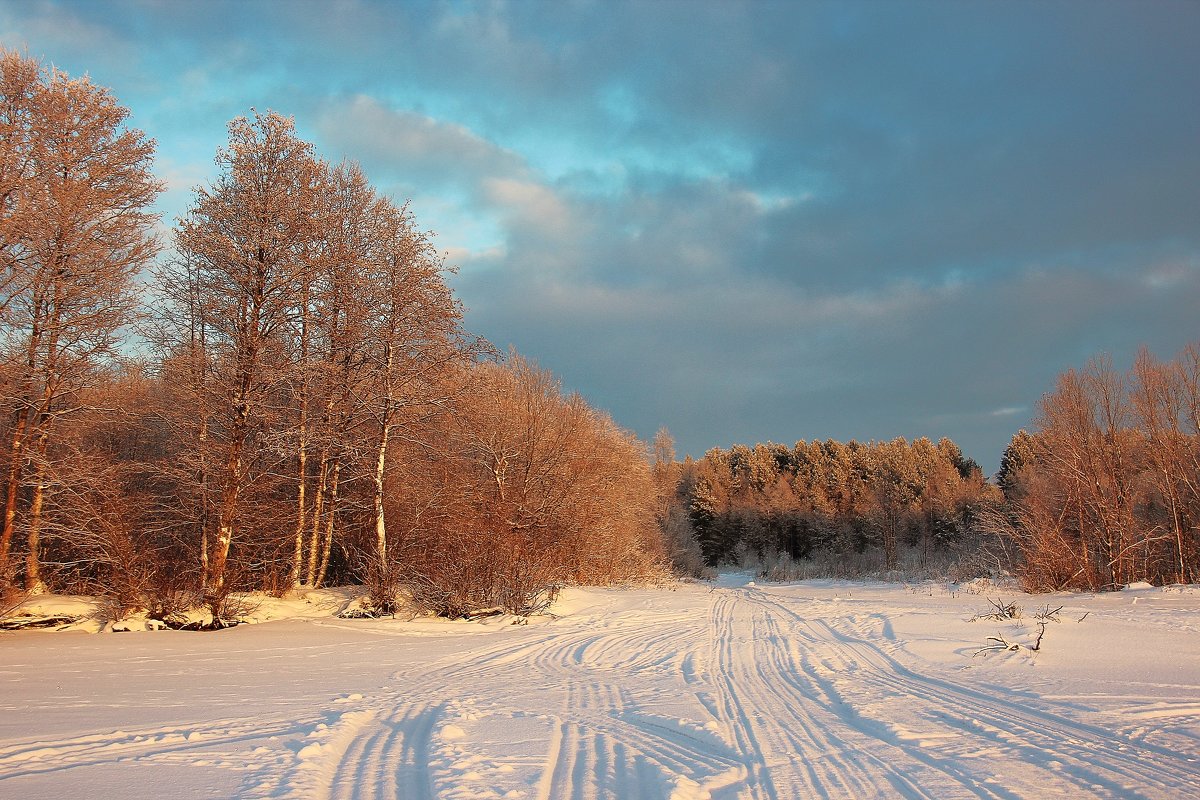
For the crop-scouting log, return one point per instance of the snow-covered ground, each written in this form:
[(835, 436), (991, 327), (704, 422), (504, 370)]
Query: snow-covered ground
[(817, 689)]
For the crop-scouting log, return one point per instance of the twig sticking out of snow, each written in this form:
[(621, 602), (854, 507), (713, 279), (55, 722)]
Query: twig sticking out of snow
[(1038, 644), (1049, 614), (1002, 611), (998, 644)]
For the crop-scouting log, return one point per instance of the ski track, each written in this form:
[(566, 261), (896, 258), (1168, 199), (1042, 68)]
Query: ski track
[(757, 696), (186, 743)]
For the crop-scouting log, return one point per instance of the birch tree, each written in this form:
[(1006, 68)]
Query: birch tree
[(343, 315), (415, 338), (248, 237)]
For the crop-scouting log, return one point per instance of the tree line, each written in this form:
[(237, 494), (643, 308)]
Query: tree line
[(882, 499), (307, 405), (1103, 492)]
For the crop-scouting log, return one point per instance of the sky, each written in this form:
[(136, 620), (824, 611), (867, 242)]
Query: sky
[(745, 222)]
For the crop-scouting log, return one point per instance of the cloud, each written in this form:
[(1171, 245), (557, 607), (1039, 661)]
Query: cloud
[(51, 32), (419, 148), (743, 222), (532, 208)]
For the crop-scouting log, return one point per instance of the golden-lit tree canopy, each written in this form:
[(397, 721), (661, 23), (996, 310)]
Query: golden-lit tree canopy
[(830, 499)]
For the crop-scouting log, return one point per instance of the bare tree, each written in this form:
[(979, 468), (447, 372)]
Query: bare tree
[(542, 491), (1104, 492), (353, 257), (77, 186), (415, 339), (1164, 401), (249, 237)]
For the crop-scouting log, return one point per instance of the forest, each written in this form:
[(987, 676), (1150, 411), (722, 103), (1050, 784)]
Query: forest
[(279, 392), (847, 509)]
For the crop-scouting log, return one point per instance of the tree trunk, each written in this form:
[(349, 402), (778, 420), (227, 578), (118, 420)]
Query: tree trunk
[(385, 422), (33, 563), (314, 542), (49, 368), (16, 448), (301, 506), (33, 572), (302, 454), (202, 479), (380, 521), (16, 456), (332, 518), (226, 519)]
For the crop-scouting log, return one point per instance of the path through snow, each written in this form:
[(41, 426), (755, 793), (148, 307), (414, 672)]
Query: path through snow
[(812, 690)]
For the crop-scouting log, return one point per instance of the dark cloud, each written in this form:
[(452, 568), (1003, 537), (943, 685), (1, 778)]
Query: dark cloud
[(744, 221)]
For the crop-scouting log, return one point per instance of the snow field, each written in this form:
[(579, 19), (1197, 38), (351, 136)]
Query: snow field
[(817, 689)]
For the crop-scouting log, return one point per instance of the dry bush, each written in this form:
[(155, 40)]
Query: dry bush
[(1000, 612), (521, 491), (384, 581), (171, 592), (982, 555)]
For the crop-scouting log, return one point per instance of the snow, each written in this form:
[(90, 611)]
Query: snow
[(735, 689)]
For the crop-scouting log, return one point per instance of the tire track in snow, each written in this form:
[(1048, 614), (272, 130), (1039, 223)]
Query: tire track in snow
[(600, 748), (867, 765), (1099, 761), (603, 748), (728, 706), (393, 755), (366, 756), (799, 704), (852, 764), (1046, 749), (792, 742)]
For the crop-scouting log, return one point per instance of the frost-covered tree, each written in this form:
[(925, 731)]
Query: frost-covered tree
[(767, 500), (248, 237), (540, 490), (75, 228)]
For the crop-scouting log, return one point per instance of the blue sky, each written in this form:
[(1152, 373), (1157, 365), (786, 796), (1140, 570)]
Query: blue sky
[(743, 221)]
